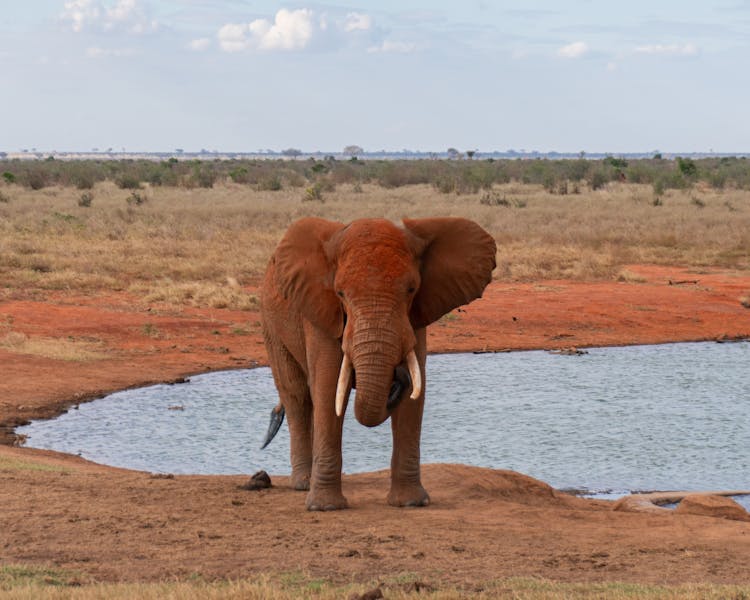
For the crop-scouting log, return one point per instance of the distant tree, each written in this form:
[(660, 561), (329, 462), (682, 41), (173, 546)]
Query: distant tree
[(292, 152), (471, 153), (687, 166), (453, 153), (353, 150)]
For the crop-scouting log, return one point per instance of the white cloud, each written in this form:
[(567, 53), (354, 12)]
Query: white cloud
[(668, 49), (200, 44), (390, 46), (611, 66), (294, 30), (291, 30), (574, 50), (357, 22), (233, 37), (125, 15)]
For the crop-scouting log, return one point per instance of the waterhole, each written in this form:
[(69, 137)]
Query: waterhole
[(613, 420)]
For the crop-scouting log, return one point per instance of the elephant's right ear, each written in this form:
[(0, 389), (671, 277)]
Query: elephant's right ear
[(304, 273)]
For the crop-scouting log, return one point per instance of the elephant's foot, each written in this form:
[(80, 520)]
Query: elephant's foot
[(408, 495), (301, 482), (326, 500)]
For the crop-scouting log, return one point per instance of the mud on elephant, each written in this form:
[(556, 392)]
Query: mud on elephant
[(346, 306)]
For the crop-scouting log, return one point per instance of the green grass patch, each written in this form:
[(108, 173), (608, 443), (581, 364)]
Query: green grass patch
[(14, 464)]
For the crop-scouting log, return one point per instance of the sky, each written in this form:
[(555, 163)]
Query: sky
[(243, 75)]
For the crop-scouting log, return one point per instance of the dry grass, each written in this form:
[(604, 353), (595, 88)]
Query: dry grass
[(26, 583), (183, 245), (54, 348)]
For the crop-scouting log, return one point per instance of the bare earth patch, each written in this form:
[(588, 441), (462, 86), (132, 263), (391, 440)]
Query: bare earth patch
[(482, 525)]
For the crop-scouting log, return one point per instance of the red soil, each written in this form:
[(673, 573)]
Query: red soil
[(483, 524)]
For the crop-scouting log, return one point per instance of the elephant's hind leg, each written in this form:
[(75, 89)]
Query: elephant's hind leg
[(291, 382)]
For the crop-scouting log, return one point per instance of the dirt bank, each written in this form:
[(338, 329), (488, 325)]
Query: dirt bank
[(483, 524)]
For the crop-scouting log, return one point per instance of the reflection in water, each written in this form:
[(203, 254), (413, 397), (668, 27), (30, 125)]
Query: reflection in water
[(633, 418)]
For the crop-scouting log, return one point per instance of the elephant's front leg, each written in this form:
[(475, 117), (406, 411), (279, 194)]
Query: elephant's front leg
[(325, 481), (406, 425)]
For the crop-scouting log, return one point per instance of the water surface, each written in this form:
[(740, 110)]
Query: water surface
[(633, 418)]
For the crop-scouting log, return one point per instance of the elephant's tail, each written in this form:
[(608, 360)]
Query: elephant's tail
[(277, 418)]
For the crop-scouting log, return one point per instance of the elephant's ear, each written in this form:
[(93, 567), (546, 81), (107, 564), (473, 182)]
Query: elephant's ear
[(304, 273), (456, 265)]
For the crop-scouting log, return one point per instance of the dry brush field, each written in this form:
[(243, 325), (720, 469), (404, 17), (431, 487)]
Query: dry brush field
[(197, 245)]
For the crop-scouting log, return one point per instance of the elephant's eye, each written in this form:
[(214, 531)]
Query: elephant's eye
[(340, 293), (411, 289)]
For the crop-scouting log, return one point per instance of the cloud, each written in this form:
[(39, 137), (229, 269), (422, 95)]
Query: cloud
[(574, 50), (124, 15), (668, 49), (291, 30), (299, 29), (200, 44), (357, 22), (390, 46)]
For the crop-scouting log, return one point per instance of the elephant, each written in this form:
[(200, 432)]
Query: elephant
[(347, 306)]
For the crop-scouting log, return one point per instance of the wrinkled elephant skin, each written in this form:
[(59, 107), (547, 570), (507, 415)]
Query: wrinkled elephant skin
[(346, 306)]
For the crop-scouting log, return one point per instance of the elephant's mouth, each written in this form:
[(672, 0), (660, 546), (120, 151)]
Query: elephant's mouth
[(401, 381), (404, 377)]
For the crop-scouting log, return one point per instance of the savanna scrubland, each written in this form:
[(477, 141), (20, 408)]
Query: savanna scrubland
[(120, 273)]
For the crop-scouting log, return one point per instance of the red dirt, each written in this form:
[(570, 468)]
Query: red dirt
[(123, 525)]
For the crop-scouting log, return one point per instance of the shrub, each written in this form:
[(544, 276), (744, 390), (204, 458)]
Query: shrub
[(203, 176), (9, 177), (687, 166), (271, 183), (127, 181), (314, 193), (240, 175), (86, 199), (4, 199), (36, 178), (617, 163), (136, 198), (494, 199), (599, 179)]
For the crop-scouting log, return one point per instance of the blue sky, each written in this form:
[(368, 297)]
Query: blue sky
[(242, 75)]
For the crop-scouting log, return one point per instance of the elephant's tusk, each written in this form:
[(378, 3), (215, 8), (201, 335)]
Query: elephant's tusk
[(342, 388), (416, 375)]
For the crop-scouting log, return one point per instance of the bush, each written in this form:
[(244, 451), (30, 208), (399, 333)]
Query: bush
[(599, 179), (240, 175), (494, 199), (9, 177), (86, 199), (314, 193), (127, 181), (272, 183), (136, 198), (203, 176), (687, 166)]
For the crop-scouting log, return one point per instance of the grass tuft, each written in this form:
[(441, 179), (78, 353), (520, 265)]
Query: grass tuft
[(54, 348)]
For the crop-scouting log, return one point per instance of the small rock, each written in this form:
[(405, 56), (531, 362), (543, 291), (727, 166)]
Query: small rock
[(260, 481), (712, 506)]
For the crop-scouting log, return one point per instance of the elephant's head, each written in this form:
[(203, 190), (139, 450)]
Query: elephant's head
[(372, 284)]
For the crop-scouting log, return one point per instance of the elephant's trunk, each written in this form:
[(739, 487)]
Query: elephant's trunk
[(383, 374)]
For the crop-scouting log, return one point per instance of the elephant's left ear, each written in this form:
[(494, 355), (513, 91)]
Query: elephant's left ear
[(456, 265)]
